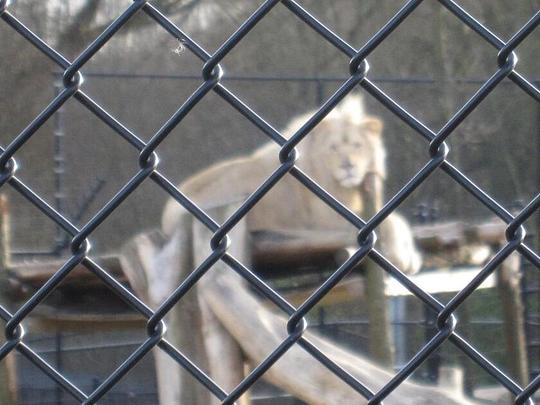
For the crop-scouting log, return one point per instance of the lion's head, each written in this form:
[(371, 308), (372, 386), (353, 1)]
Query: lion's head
[(346, 145)]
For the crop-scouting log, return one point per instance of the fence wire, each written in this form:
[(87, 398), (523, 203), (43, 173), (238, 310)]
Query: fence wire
[(505, 63)]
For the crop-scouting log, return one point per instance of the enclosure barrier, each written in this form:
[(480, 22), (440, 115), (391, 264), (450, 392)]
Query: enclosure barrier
[(505, 62)]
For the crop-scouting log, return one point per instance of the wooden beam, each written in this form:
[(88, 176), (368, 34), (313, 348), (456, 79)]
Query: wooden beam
[(5, 234), (291, 248), (434, 282), (491, 232), (439, 235), (8, 375), (283, 250), (35, 273)]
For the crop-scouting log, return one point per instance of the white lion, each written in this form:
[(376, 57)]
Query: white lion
[(337, 153)]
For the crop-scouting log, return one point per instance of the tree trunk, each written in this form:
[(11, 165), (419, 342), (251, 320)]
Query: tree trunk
[(155, 268), (508, 278), (381, 346), (225, 358), (8, 390)]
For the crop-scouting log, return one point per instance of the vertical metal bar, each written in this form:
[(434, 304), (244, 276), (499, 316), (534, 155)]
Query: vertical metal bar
[(321, 313), (537, 84), (530, 291), (399, 328), (433, 362), (59, 365)]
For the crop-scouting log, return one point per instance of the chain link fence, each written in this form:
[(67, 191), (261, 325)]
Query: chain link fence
[(505, 67)]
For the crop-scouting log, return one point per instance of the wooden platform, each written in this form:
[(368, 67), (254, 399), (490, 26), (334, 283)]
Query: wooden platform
[(280, 253)]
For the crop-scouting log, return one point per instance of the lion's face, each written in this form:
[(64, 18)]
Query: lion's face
[(348, 151)]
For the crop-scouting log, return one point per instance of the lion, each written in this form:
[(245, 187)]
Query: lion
[(338, 153)]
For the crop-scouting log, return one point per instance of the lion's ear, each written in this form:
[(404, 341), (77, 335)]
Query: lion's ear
[(372, 125)]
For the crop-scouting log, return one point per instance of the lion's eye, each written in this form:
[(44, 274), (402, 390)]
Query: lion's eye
[(333, 147)]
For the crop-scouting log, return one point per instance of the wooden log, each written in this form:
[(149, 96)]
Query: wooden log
[(508, 283), (434, 282), (290, 250), (491, 232), (381, 346), (442, 244), (258, 331), (34, 274), (225, 357), (439, 235), (5, 234), (8, 382), (155, 267)]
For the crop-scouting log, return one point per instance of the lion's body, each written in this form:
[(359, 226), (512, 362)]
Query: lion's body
[(233, 180), (338, 154)]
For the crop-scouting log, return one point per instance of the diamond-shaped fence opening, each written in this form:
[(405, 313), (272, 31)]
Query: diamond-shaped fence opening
[(440, 329)]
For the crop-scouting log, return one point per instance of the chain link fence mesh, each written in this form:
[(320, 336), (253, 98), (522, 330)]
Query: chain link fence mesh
[(505, 67)]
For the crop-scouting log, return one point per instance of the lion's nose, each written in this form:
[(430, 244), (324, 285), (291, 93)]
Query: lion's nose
[(346, 163)]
